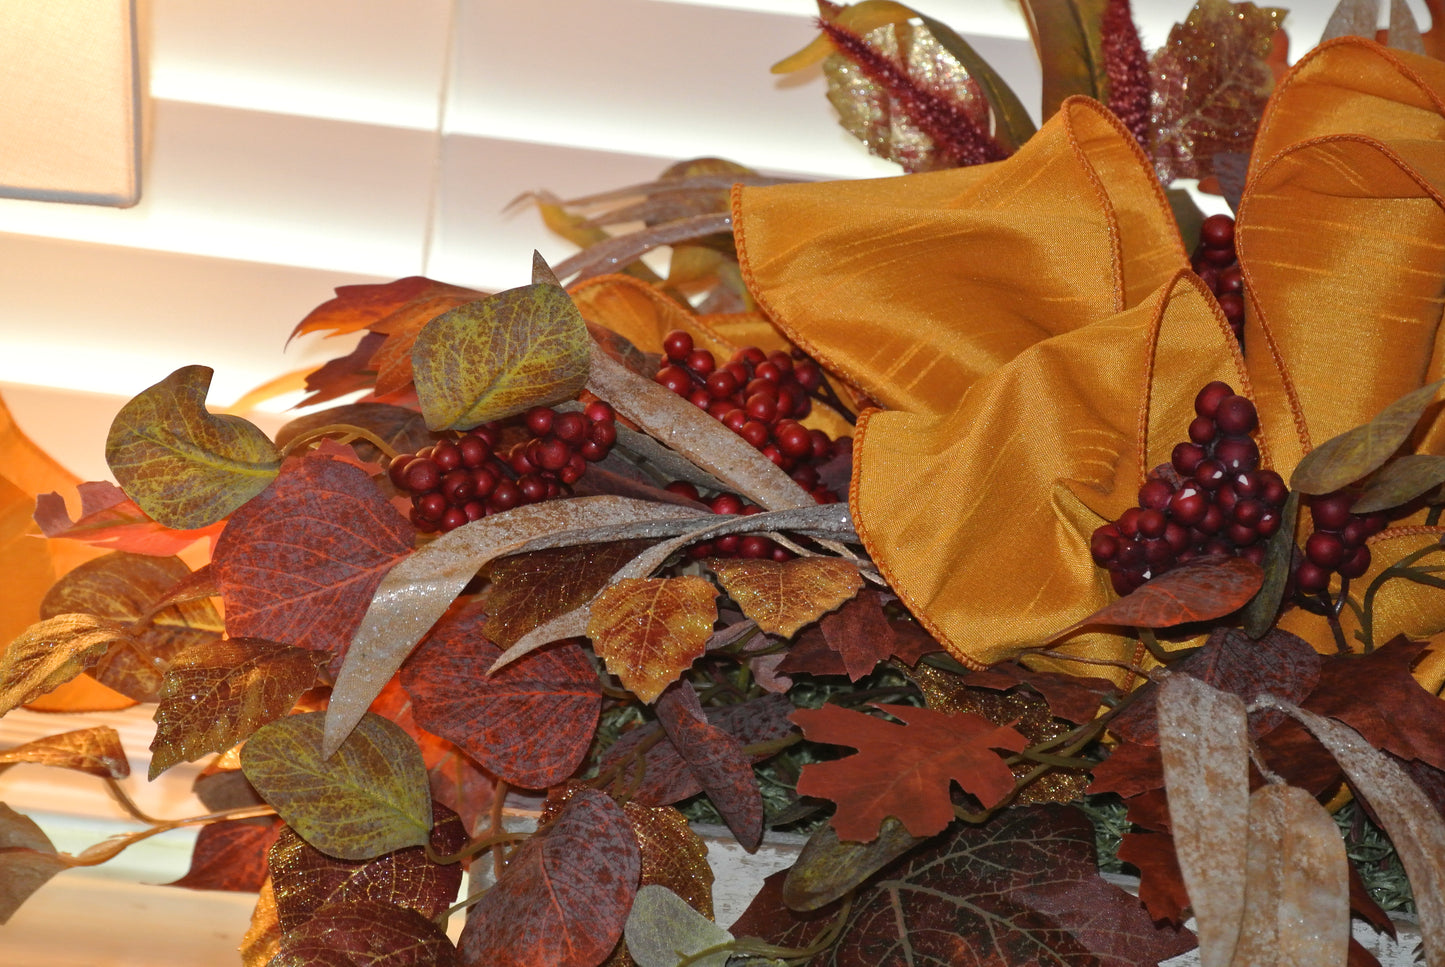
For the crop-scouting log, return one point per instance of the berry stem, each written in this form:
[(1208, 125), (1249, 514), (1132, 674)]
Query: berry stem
[(1400, 569), (343, 433)]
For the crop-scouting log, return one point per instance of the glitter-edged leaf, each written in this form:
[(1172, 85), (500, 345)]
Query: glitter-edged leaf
[(1357, 452), (782, 596), (366, 933), (1199, 591), (370, 798), (184, 466), (51, 652), (672, 854), (27, 860), (95, 751), (217, 693), (500, 355), (649, 630)]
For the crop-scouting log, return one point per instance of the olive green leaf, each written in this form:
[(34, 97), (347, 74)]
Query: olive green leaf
[(500, 355), (1400, 481), (1357, 452), (662, 930), (1068, 36), (370, 798), (185, 466), (1263, 608)]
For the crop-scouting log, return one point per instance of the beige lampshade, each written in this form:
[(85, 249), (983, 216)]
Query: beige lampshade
[(70, 117)]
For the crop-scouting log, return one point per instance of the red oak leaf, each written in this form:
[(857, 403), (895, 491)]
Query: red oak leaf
[(904, 771), (299, 562), (1376, 695)]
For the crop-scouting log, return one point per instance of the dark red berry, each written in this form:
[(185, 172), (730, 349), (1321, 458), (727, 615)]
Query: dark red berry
[(1217, 231), (676, 344), (1206, 402), (539, 420), (1237, 454), (1331, 511), (675, 378), (1186, 457), (1325, 549), (1202, 430), (1357, 564), (726, 504), (422, 474), (1236, 415)]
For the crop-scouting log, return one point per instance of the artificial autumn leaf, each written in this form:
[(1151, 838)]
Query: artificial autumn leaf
[(27, 860), (1205, 750), (130, 588), (1198, 591), (1073, 698), (564, 897), (530, 724), (905, 770), (782, 596), (1399, 481), (110, 519), (859, 632), (662, 927), (52, 652), (186, 467), (1210, 82), (231, 855), (296, 564), (305, 879), (1161, 885), (718, 761), (1354, 453), (1068, 38), (1359, 18), (828, 867), (366, 933), (369, 798), (527, 590), (95, 751), (672, 855), (495, 357), (1260, 614), (1022, 888), (262, 940), (217, 693), (648, 631)]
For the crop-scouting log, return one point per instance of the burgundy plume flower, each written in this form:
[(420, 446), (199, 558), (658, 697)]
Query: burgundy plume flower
[(1128, 70)]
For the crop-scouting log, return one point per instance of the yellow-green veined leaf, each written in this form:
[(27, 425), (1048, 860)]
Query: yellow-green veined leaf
[(1400, 481), (1357, 452), (51, 652), (95, 751), (782, 596), (500, 355), (186, 467), (370, 798), (1069, 39), (649, 630)]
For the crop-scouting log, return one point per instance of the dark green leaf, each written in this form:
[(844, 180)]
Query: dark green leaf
[(1263, 608), (1400, 481), (1069, 39)]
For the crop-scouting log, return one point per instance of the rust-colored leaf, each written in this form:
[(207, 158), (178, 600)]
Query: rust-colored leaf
[(489, 359), (1199, 591), (1073, 698), (358, 307), (905, 771), (262, 940), (528, 590), (217, 693), (366, 933), (27, 860), (305, 879), (183, 465), (131, 588), (52, 652), (1355, 453), (370, 798), (1210, 82), (297, 564), (231, 856), (564, 897), (110, 519), (782, 596), (530, 723), (96, 751), (649, 630), (718, 761)]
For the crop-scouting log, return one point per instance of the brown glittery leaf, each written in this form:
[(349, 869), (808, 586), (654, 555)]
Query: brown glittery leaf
[(672, 854), (527, 590), (782, 596), (649, 630), (96, 751)]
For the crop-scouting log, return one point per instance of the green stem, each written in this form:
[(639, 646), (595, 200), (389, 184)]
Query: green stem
[(1400, 568)]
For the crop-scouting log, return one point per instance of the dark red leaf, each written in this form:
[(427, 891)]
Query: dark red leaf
[(859, 632), (1200, 591), (300, 561), (1161, 885), (1129, 770), (365, 932), (231, 855), (565, 895), (718, 761)]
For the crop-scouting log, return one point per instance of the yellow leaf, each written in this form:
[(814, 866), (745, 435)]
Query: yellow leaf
[(783, 596), (649, 630), (51, 652), (860, 18)]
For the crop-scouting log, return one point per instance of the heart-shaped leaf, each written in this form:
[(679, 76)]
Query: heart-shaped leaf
[(782, 596), (231, 855), (649, 630), (370, 798), (184, 466), (1355, 453), (497, 356), (662, 928)]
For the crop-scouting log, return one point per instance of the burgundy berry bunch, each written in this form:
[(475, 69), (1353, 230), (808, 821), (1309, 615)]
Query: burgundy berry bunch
[(457, 481), (1211, 499), (760, 396), (1215, 262), (1337, 545)]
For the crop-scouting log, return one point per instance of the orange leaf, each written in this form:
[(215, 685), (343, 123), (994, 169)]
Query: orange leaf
[(384, 308), (649, 630), (96, 751), (783, 596), (1199, 591), (108, 518)]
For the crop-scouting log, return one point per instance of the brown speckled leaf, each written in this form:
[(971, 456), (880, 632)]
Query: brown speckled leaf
[(366, 933), (183, 465), (217, 693), (52, 652), (530, 589), (717, 760), (96, 751), (782, 596), (650, 630), (231, 855), (564, 897)]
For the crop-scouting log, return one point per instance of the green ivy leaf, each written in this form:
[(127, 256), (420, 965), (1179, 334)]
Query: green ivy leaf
[(1355, 453), (499, 356), (184, 466), (372, 797)]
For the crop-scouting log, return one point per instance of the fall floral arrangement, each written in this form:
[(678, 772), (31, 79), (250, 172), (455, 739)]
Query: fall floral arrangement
[(906, 512)]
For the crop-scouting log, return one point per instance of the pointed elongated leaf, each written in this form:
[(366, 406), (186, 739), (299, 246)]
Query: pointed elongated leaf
[(1400, 481), (217, 693), (95, 751), (370, 798), (1068, 38), (52, 652), (27, 860), (500, 355), (184, 466), (782, 596), (110, 519), (1204, 742), (1199, 591), (650, 630), (662, 929), (1355, 453), (1263, 608), (718, 761)]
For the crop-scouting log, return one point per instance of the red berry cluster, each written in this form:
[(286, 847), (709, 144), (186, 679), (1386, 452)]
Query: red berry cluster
[(759, 396), (1214, 261), (730, 545), (1337, 545), (453, 482), (1212, 498)]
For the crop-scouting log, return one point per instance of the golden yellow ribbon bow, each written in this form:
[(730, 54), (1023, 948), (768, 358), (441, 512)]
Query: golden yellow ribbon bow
[(1036, 339)]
